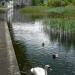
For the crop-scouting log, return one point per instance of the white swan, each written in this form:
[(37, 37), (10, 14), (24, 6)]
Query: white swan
[(39, 70)]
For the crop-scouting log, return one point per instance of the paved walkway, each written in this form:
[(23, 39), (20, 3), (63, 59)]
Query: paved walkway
[(3, 52), (8, 62)]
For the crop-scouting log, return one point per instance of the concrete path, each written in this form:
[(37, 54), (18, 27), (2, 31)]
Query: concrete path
[(8, 62)]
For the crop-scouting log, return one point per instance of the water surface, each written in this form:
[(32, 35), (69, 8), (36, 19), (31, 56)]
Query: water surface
[(58, 35)]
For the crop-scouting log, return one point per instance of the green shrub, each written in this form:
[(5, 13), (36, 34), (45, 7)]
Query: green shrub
[(56, 3)]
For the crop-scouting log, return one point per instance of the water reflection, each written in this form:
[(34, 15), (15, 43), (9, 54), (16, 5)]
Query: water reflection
[(24, 63)]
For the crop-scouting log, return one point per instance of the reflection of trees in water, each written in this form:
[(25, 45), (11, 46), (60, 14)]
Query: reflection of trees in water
[(24, 63), (61, 33)]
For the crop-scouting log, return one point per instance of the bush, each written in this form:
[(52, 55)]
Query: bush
[(56, 3)]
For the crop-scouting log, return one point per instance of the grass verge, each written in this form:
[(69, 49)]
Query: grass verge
[(34, 10)]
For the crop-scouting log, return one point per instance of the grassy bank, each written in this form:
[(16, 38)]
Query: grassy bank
[(67, 10), (34, 10), (43, 10)]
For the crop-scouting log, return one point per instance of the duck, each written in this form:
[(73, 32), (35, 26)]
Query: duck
[(43, 44), (55, 56)]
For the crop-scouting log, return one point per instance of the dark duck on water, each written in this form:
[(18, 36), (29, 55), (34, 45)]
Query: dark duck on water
[(43, 44), (55, 56)]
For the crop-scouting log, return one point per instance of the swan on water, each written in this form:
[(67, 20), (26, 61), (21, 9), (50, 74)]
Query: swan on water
[(39, 70)]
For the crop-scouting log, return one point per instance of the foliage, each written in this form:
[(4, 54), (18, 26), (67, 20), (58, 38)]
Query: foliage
[(67, 10), (54, 3), (73, 2), (37, 2)]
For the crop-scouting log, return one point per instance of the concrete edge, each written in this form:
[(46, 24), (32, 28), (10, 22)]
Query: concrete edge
[(13, 64)]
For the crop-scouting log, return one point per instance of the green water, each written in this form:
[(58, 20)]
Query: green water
[(58, 34)]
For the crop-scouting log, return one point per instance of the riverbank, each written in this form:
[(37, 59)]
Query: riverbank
[(34, 10), (44, 11)]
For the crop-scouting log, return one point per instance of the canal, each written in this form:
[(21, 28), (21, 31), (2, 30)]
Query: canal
[(58, 36)]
